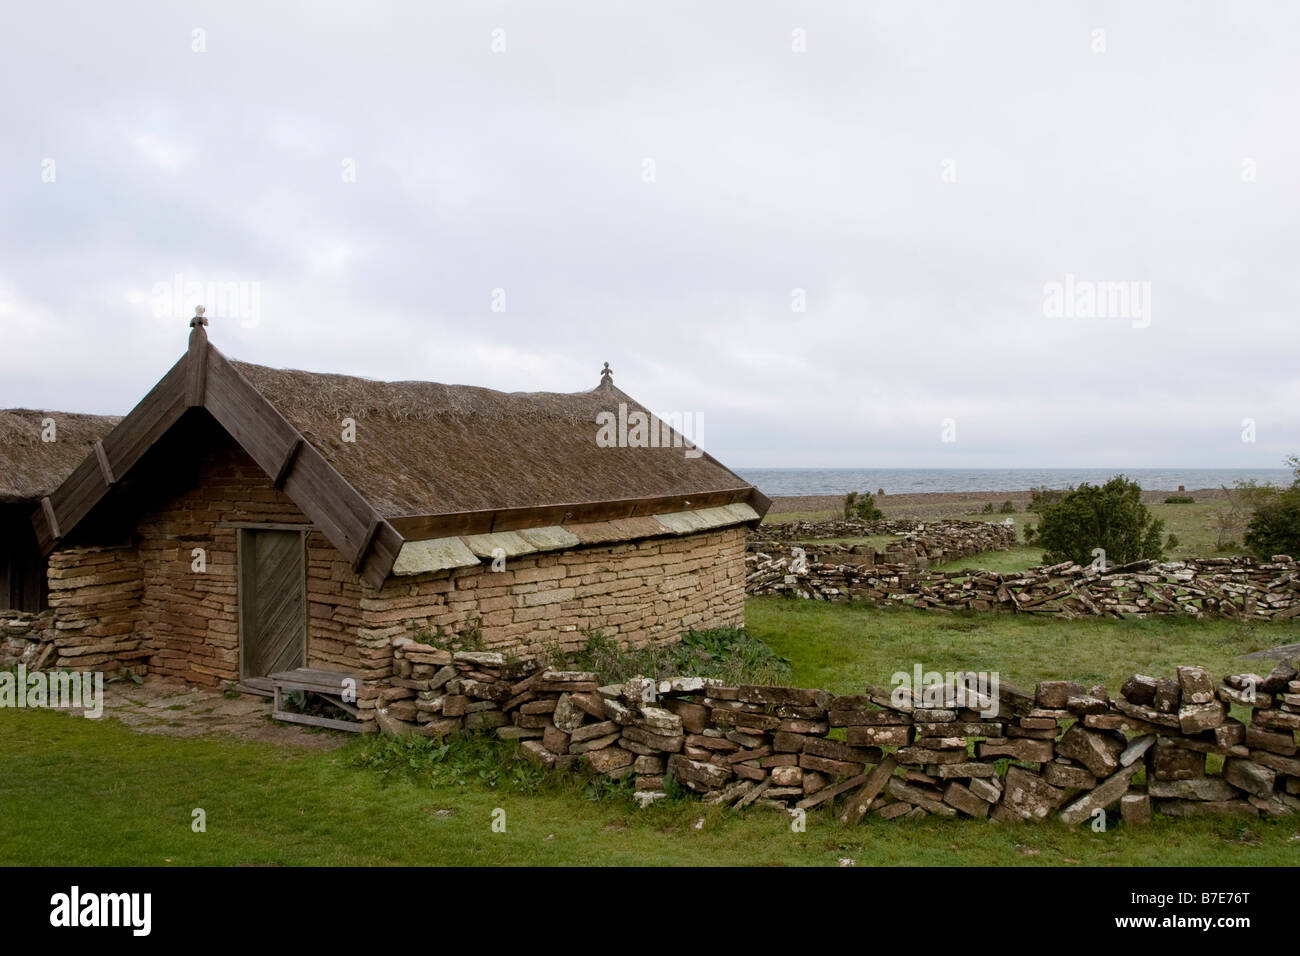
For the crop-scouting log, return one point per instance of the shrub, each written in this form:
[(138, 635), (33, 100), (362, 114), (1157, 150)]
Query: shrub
[(987, 509), (1111, 517), (1180, 500), (1275, 526), (1042, 496), (1008, 508), (862, 507)]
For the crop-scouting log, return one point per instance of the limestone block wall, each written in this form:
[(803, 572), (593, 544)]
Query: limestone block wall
[(641, 593), (95, 600), (191, 616)]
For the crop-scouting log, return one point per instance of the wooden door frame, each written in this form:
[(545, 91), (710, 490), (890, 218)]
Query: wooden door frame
[(262, 685)]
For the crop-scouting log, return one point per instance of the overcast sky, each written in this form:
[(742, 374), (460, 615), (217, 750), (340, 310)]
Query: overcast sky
[(652, 185)]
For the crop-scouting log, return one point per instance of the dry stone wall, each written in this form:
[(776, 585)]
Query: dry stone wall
[(956, 747), (917, 544), (26, 637), (1209, 587)]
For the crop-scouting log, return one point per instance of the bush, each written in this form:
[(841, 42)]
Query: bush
[(1275, 526), (987, 509), (1042, 496), (862, 507), (1180, 500), (1111, 517), (1008, 508)]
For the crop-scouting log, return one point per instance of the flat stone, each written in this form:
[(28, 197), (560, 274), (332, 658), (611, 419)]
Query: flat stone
[(696, 774), (961, 798), (1019, 748), (1098, 752), (1196, 685), (1195, 718), (568, 716), (1206, 808), (1135, 809), (1108, 792), (1198, 788), (1029, 796), (1068, 777), (1172, 762), (1249, 776), (1135, 749)]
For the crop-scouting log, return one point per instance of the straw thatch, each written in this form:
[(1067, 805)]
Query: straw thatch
[(31, 467), (426, 448)]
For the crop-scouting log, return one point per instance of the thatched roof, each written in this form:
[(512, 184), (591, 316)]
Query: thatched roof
[(423, 448), (31, 467)]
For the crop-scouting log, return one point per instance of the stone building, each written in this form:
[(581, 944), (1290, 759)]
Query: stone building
[(243, 521)]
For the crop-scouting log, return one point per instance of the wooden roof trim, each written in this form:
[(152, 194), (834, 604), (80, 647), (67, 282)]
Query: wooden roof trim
[(50, 518), (334, 507), (105, 466), (423, 527), (196, 383), (121, 449)]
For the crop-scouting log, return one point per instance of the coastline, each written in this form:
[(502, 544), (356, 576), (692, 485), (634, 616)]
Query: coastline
[(953, 504)]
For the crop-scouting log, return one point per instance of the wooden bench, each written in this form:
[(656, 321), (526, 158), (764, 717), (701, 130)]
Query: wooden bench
[(331, 685)]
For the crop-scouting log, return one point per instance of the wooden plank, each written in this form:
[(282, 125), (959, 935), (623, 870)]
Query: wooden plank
[(290, 455), (336, 508), (124, 445), (421, 527), (383, 554), (348, 725), (359, 558), (105, 468), (51, 520), (334, 687), (196, 368), (246, 414)]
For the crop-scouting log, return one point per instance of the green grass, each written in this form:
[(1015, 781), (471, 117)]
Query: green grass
[(93, 794), (841, 647), (83, 792)]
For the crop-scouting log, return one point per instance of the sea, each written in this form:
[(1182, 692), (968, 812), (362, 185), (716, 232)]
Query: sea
[(901, 481)]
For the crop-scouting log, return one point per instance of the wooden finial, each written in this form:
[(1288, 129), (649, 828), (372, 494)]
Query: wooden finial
[(606, 375)]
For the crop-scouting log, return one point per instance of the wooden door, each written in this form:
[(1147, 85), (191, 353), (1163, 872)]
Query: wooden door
[(272, 602)]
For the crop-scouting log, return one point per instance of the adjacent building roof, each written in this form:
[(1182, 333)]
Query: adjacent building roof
[(378, 465), (31, 464)]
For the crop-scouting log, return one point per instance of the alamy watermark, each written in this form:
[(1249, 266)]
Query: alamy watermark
[(238, 300), (1085, 299), (638, 429), (62, 690), (934, 690)]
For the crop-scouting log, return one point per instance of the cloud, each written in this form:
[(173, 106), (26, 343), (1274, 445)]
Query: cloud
[(914, 179)]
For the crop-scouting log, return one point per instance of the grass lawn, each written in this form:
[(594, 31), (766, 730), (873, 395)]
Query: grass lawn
[(841, 647), (80, 792)]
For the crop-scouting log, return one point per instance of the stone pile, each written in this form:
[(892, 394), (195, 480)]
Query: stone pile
[(1234, 587), (26, 638), (890, 753), (917, 544)]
